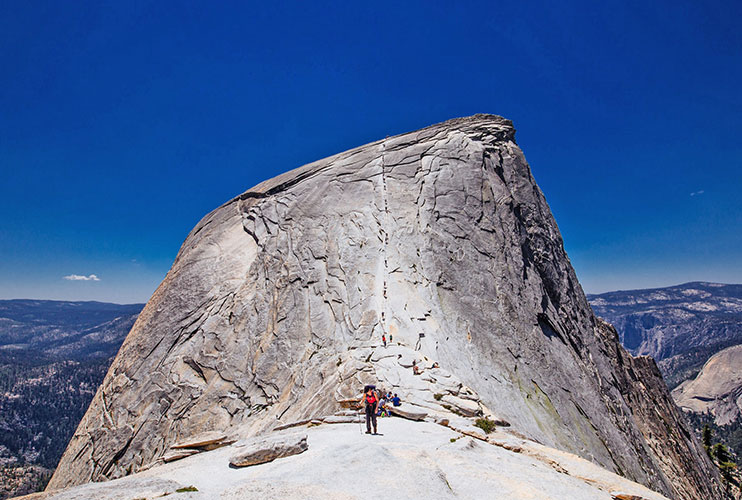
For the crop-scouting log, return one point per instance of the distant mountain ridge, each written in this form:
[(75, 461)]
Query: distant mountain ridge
[(694, 331), (71, 330), (680, 326)]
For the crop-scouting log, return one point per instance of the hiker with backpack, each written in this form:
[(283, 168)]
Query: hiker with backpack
[(371, 404)]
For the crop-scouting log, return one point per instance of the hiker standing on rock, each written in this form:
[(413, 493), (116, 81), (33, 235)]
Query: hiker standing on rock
[(371, 403)]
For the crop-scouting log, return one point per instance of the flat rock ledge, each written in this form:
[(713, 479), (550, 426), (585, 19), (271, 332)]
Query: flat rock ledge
[(342, 419), (207, 441), (350, 403), (409, 414), (264, 450), (174, 455)]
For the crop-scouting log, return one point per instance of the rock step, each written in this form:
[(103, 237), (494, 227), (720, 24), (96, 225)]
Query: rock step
[(341, 419), (207, 440), (260, 451), (350, 402), (409, 414), (346, 413), (174, 455), (293, 424), (626, 496)]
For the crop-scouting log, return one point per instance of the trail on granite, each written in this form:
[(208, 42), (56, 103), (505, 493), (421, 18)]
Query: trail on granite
[(274, 309)]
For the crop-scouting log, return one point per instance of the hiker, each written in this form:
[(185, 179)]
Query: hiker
[(415, 368), (371, 403), (396, 401), (381, 408), (383, 339)]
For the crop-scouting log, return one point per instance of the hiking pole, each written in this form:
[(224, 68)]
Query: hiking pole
[(360, 422)]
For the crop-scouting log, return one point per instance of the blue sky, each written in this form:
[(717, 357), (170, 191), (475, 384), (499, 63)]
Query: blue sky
[(123, 123)]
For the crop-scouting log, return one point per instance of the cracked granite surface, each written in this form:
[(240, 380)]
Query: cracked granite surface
[(440, 239)]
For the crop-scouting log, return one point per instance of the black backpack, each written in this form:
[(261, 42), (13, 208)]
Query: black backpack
[(366, 389)]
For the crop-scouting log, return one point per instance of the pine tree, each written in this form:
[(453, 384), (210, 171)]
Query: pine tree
[(725, 464), (707, 440), (721, 453)]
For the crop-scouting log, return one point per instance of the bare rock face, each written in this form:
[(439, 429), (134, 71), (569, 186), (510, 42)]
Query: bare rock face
[(274, 309), (717, 388)]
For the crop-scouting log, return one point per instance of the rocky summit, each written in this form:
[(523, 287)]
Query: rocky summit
[(438, 241), (717, 388)]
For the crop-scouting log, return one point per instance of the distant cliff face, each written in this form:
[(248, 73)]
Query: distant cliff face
[(679, 326), (717, 388), (439, 239)]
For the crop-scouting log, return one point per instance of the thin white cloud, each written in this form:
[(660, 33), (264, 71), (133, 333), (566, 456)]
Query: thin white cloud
[(77, 277), (696, 193)]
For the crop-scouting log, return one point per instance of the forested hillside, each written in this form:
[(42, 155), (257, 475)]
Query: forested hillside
[(53, 356)]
